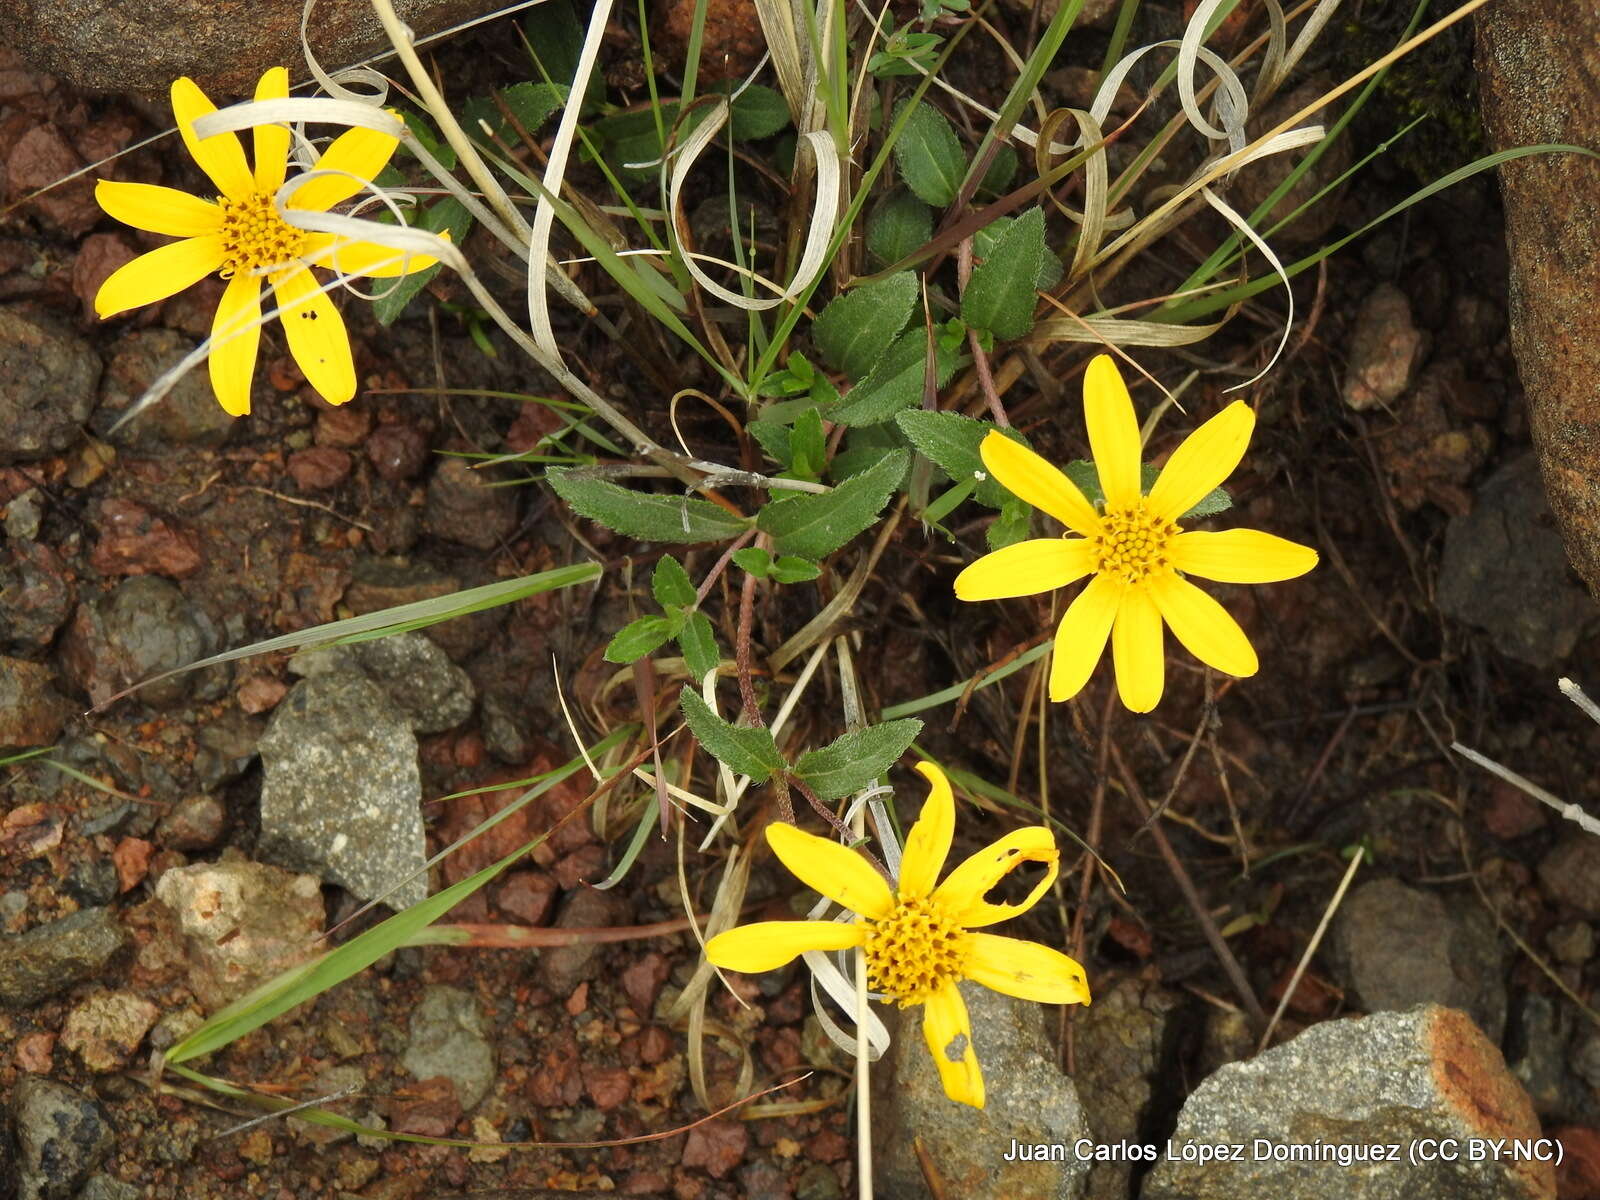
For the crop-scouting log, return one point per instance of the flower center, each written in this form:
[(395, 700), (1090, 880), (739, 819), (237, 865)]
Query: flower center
[(254, 236), (914, 951), (1132, 543)]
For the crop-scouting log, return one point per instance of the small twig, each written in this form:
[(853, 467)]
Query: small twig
[(304, 503), (741, 649), (1311, 946), (1180, 876)]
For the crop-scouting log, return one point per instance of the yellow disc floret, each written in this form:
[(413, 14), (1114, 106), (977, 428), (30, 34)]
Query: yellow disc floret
[(1132, 543), (254, 236), (914, 951)]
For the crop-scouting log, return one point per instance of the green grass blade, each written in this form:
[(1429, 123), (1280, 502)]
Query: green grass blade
[(953, 692)]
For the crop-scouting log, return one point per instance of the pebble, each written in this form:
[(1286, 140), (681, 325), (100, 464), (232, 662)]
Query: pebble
[(344, 426), (144, 627), (137, 540), (319, 468), (1386, 348), (226, 748), (1505, 571), (50, 958), (1572, 942), (1028, 1101), (32, 712), (48, 379), (241, 923), (448, 1038), (397, 452), (528, 896), (194, 823), (463, 506), (62, 1135), (36, 595), (40, 158), (342, 790), (1390, 1078), (504, 735), (563, 968), (1570, 873), (23, 515), (107, 1028), (188, 415), (99, 256), (1397, 947)]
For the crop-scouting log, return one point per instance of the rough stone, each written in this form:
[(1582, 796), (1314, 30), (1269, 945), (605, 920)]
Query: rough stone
[(419, 678), (32, 712), (107, 1028), (242, 923), (563, 968), (144, 627), (48, 376), (23, 515), (463, 505), (1391, 1078), (318, 468), (1570, 873), (188, 415), (1385, 349), (137, 540), (1528, 52), (194, 823), (36, 595), (40, 158), (1028, 1101), (448, 1038), (1120, 1043), (1505, 571), (62, 1135), (397, 452), (342, 790), (50, 958), (1398, 947), (143, 45)]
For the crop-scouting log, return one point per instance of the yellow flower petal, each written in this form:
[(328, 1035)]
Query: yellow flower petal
[(1081, 636), (1206, 458), (1030, 478), (271, 142), (1240, 556), (235, 336), (355, 158), (1204, 626), (1026, 970), (334, 252), (767, 945), (158, 209), (928, 843), (1025, 569), (158, 274), (841, 875), (1138, 651), (948, 1032), (1113, 432), (221, 157), (317, 336), (963, 891)]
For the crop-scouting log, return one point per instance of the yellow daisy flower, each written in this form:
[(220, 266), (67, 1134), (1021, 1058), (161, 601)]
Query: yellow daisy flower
[(241, 236), (1133, 547), (919, 940)]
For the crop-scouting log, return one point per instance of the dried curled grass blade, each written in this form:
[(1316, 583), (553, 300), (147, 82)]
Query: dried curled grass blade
[(1113, 331), (824, 212), (1238, 222), (1231, 103)]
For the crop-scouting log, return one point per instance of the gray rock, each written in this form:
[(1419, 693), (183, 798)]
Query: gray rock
[(143, 45), (188, 415), (1538, 1056), (23, 515), (242, 923), (106, 1029), (1504, 570), (143, 628), (503, 732), (1570, 872), (62, 1135), (1028, 1101), (108, 1187), (194, 823), (448, 1038), (342, 793), (227, 746), (1572, 942), (432, 692), (36, 595), (1387, 1079), (52, 957), (32, 712), (1396, 947), (1119, 1042), (1386, 349), (48, 376), (464, 506)]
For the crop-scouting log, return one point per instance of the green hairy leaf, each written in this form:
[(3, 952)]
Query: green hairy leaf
[(637, 639), (815, 526), (950, 441), (1000, 295), (856, 328), (898, 226), (929, 154), (643, 515), (853, 761), (748, 751)]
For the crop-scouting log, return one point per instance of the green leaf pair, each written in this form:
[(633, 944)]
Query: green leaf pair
[(680, 619)]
